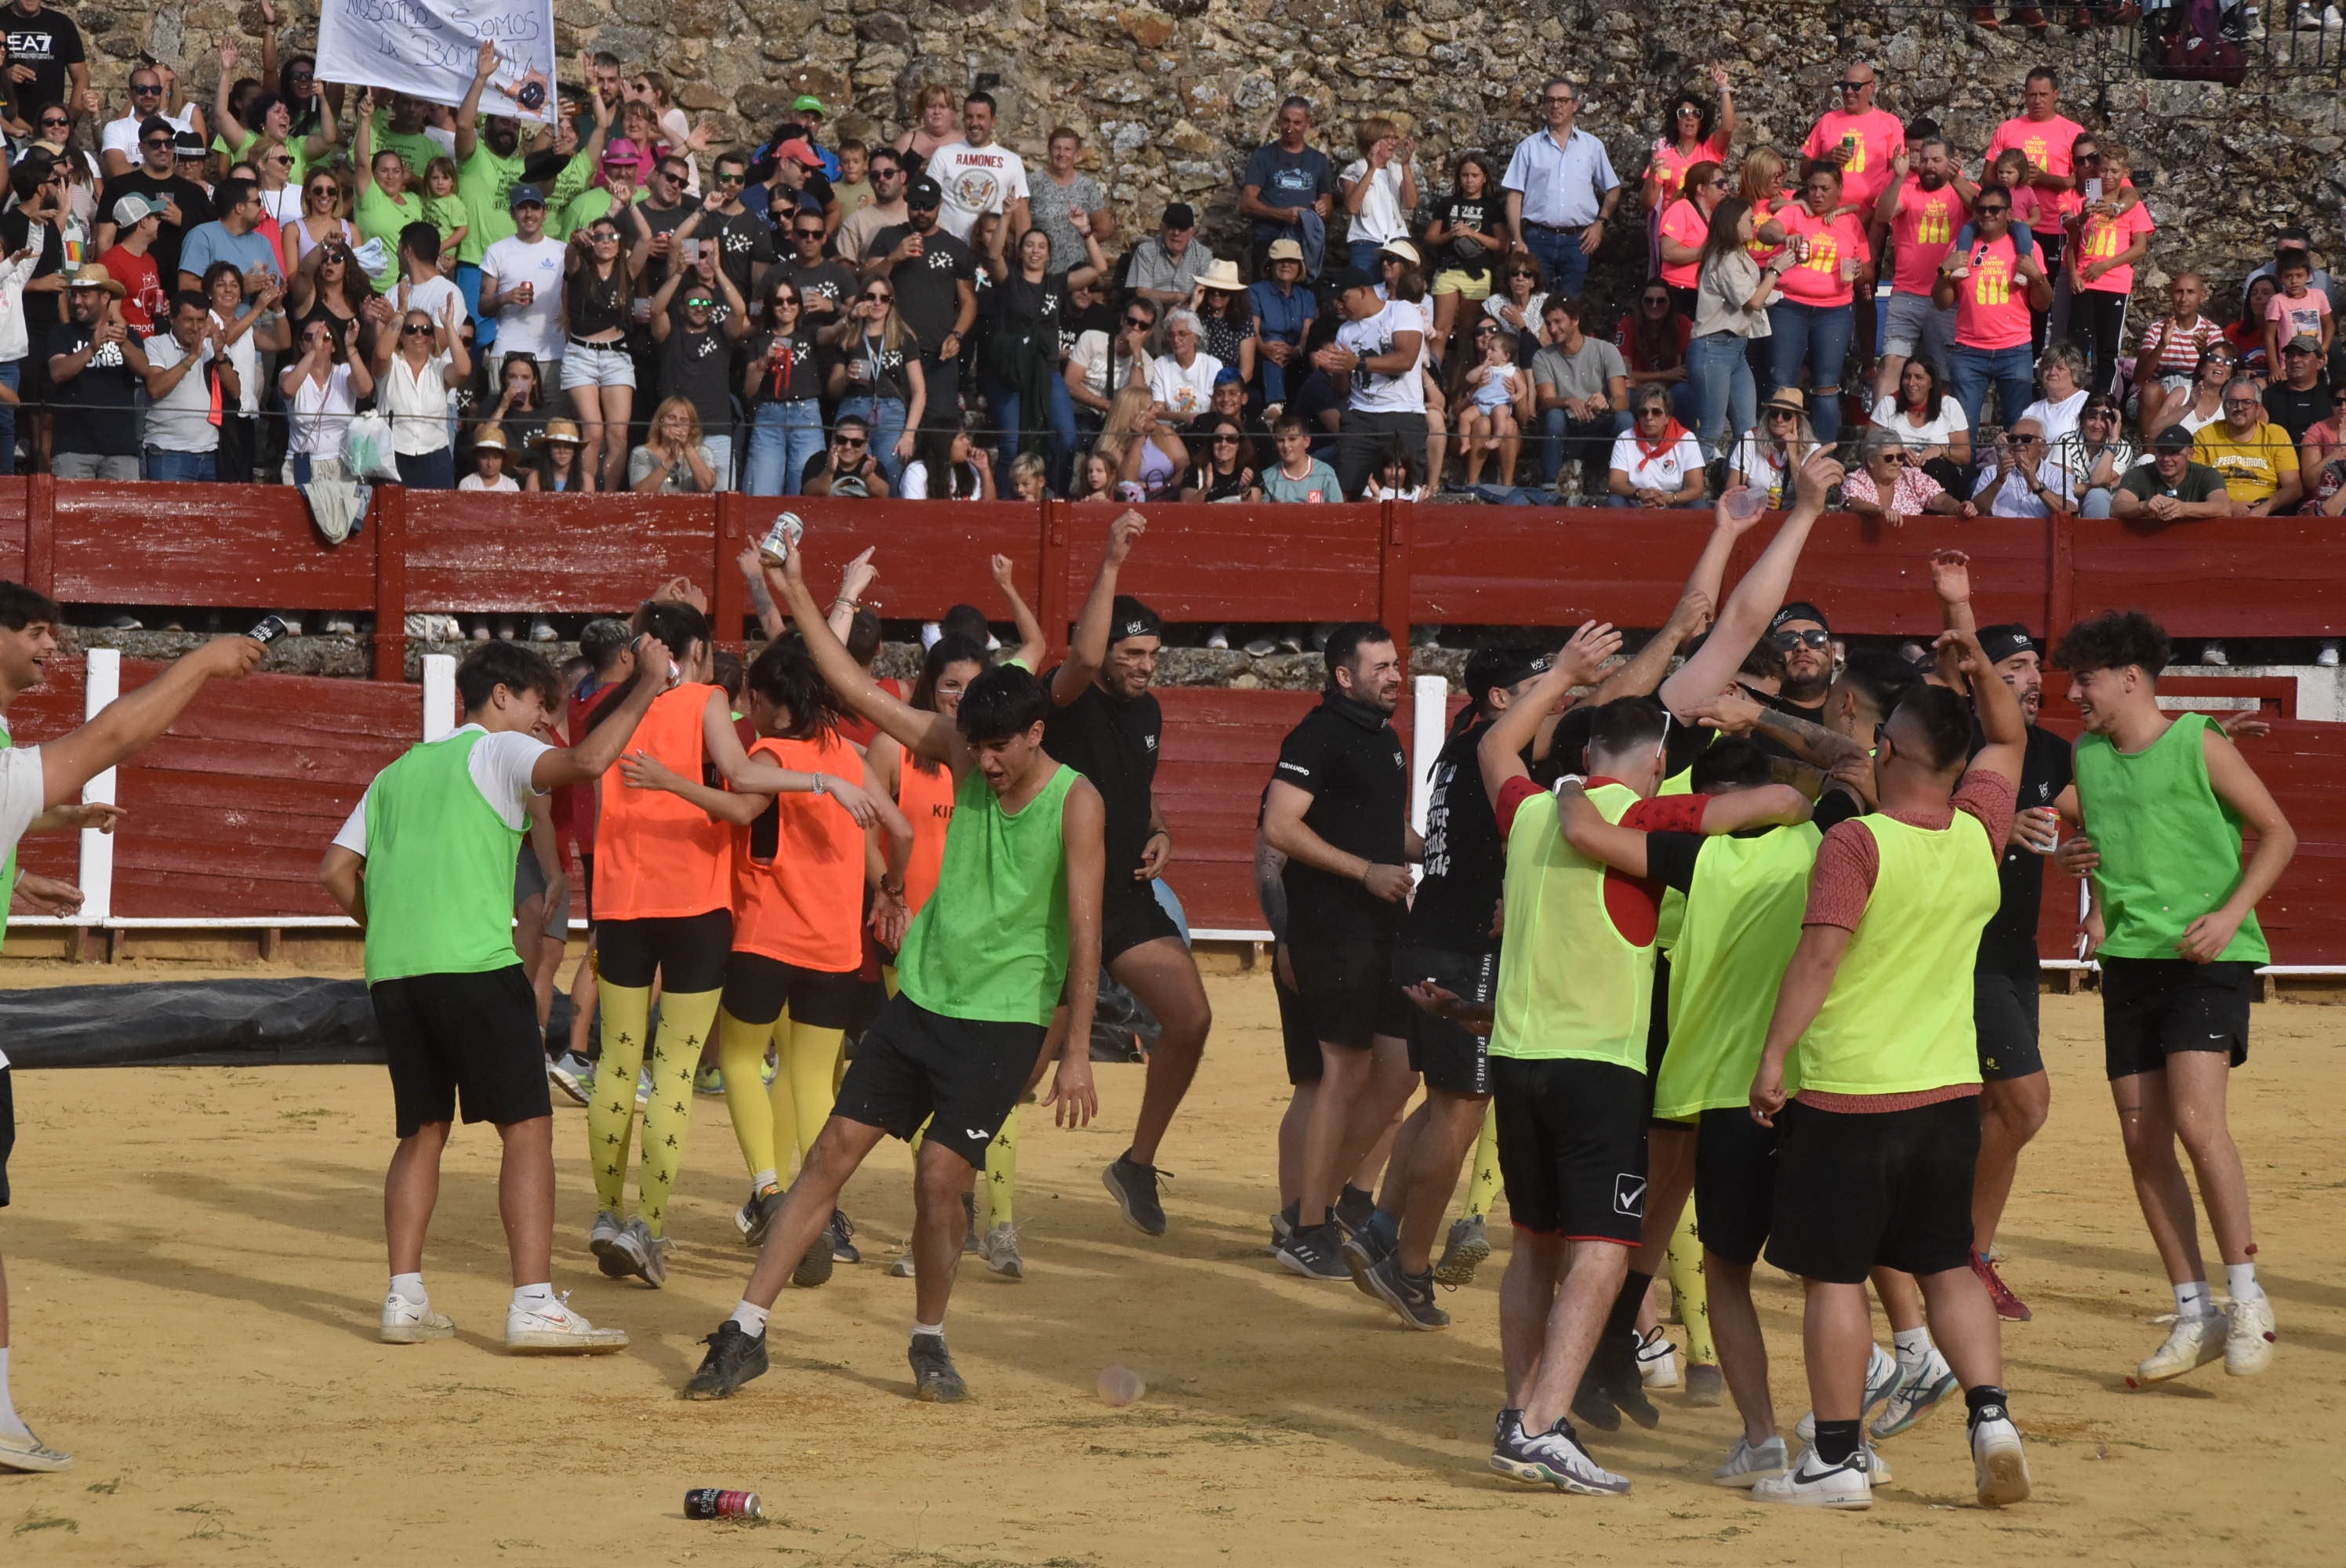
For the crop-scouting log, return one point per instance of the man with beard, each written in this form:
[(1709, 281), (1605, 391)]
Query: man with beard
[(1802, 636), (489, 163), (1923, 210)]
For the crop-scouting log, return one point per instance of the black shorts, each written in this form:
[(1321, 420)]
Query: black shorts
[(1450, 1056), (8, 1128), (687, 952), (2004, 1013), (1658, 1037), (913, 1065), (587, 872), (1859, 1190), (1303, 1062), (473, 1033), (1572, 1147), (2151, 1006), (1130, 915), (1348, 993), (1734, 1183), (757, 988)]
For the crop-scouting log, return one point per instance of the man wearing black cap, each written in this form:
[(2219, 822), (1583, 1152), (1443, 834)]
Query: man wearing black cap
[(1166, 266), (181, 204), (2170, 486), (522, 279), (937, 291), (1376, 352), (2301, 399), (1105, 725), (1802, 635)]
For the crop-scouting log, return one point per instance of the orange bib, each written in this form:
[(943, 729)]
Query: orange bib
[(798, 872), (927, 799), (658, 856)]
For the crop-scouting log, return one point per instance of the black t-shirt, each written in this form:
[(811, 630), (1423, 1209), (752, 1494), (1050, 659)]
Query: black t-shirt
[(42, 309), (2298, 411), (195, 208), (698, 368), (927, 292), (1457, 898), (1480, 214), (1099, 317), (2008, 943), (1346, 756), (1113, 744), (796, 377), (658, 223), (742, 241), (829, 279), (48, 42), (95, 409)]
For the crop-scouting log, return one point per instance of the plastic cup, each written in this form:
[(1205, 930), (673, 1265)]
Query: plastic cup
[(1119, 1386)]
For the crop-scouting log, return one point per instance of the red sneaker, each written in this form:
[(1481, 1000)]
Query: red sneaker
[(2008, 1307)]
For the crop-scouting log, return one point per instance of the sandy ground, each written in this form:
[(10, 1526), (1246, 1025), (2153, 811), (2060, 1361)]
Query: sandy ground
[(195, 1267)]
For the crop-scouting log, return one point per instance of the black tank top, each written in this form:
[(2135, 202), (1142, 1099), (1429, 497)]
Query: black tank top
[(597, 305)]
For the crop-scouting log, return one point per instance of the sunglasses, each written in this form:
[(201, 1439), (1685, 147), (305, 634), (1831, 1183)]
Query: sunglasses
[(1143, 322), (1788, 641), (723, 178), (604, 237), (1781, 413), (2101, 414), (851, 442), (156, 142), (2028, 440), (876, 298), (146, 89), (699, 304), (49, 120), (808, 233), (1985, 211), (412, 329), (1226, 440), (1531, 275), (1852, 87)]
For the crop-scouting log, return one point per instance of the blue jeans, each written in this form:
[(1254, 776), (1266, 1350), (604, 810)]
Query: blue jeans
[(1562, 261), (1731, 399), (2013, 372), (468, 284), (178, 467), (1058, 418), (12, 377), (886, 417), (1818, 335), (1363, 254), (783, 439), (1588, 440), (721, 458)]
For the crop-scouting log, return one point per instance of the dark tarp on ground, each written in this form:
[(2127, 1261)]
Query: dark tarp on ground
[(191, 1023)]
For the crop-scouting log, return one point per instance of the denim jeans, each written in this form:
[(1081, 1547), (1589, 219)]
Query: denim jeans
[(1731, 400), (433, 470), (1588, 440), (12, 377), (177, 467), (1009, 410), (468, 284), (2096, 503), (2011, 371), (886, 417), (783, 439), (1363, 254), (1563, 263), (1818, 335), (721, 458)]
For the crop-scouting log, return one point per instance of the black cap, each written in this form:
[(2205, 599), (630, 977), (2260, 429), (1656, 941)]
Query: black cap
[(1130, 618), (2001, 642), (1504, 664), (2174, 438), (1799, 610), (1180, 215), (1346, 277), (924, 192)]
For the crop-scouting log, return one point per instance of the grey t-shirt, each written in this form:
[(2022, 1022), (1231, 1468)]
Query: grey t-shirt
[(1586, 374), (1154, 267), (1049, 203)]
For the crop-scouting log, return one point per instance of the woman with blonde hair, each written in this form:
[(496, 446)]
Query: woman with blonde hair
[(1378, 189), (877, 374), (933, 122), (673, 459), (1146, 452), (321, 220)]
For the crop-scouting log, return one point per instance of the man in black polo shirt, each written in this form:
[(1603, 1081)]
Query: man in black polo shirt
[(937, 291), (1105, 725), (1339, 811), (2300, 398)]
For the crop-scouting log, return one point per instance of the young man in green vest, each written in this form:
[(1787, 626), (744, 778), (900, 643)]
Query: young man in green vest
[(40, 787), (1569, 1065), (2163, 799), (426, 866), (1014, 921), (1873, 1020)]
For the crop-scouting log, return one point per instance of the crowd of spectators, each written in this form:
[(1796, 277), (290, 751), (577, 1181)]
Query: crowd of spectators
[(615, 300)]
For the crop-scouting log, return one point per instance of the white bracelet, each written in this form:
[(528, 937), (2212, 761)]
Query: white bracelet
[(817, 788)]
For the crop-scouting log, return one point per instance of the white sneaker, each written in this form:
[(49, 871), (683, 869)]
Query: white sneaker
[(1746, 1466), (556, 1330), (406, 1322), (901, 1268), (541, 630), (570, 1073), (2248, 1341), (1658, 1362), (2193, 1342), (1880, 1382), (1998, 1465), (2327, 657), (1000, 1251), (28, 1452), (1812, 1484), (1916, 1397), (2213, 654)]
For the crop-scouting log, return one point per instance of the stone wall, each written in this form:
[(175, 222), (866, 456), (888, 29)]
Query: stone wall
[(1170, 94)]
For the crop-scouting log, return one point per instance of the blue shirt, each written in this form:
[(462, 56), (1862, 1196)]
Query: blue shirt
[(1284, 317), (1288, 179), (210, 242), (1563, 187)]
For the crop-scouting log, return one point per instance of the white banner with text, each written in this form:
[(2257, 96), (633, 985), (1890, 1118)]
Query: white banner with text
[(431, 49)]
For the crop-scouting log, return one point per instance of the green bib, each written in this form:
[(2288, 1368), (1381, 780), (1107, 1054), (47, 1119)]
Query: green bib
[(991, 944), (1570, 984), (1742, 922), (439, 868), (2170, 849), (1899, 1017)]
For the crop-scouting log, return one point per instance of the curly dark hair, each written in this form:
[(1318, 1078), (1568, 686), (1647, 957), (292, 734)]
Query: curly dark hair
[(2113, 640)]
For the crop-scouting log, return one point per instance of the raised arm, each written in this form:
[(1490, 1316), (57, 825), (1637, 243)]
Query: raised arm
[(1500, 752), (1993, 702), (469, 113), (930, 735), (1642, 671), (1087, 647), (642, 770), (1759, 595), (595, 751), (1033, 648), (129, 722), (722, 744)]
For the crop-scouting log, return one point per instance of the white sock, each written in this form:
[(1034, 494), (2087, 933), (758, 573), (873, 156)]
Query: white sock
[(10, 1423), (2240, 1279), (920, 1328), (410, 1288), (1913, 1346), (752, 1319), (534, 1298), (762, 1180), (2195, 1300)]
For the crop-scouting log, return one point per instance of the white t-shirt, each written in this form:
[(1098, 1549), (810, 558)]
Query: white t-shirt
[(1762, 467), (283, 204), (500, 764), (321, 413), (432, 297), (1374, 392), (1093, 352), (2057, 419), (179, 421), (1184, 394), (503, 484), (974, 179), (1949, 423), (244, 358), (1380, 217), (21, 796), (1666, 473), (537, 328)]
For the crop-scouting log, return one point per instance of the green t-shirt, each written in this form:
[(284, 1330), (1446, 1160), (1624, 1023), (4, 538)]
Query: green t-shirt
[(414, 149), (1741, 922), (2200, 482), (991, 944), (447, 214), (1572, 983), (297, 147), (483, 181), (381, 217)]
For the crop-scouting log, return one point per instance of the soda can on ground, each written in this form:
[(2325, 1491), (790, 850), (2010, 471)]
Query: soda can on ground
[(715, 1502)]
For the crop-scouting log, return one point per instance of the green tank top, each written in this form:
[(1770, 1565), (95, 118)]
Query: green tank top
[(439, 868), (991, 944), (1742, 922), (1570, 984), (2170, 849), (1898, 1019)]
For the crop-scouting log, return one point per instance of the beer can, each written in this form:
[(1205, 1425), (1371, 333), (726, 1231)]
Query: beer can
[(268, 630), (782, 538), (715, 1502)]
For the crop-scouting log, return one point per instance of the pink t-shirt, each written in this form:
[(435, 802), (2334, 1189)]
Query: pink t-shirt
[(1992, 304), (2047, 143), (1879, 135), (1926, 226), (1910, 494), (2106, 237), (1667, 171), (1832, 240), (2297, 316), (1684, 222)]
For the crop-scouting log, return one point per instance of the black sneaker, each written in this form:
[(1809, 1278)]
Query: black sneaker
[(934, 1380), (1310, 1251), (1134, 1187), (760, 1211), (1410, 1296), (1590, 1407), (815, 1267), (1353, 1207), (1362, 1252), (734, 1357), (843, 1240), (1614, 1366)]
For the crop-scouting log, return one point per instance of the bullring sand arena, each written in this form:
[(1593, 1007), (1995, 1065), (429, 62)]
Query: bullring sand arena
[(196, 1250)]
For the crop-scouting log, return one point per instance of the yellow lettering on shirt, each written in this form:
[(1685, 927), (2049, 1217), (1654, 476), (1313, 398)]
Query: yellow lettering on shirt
[(1825, 253), (1936, 226), (1992, 281)]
